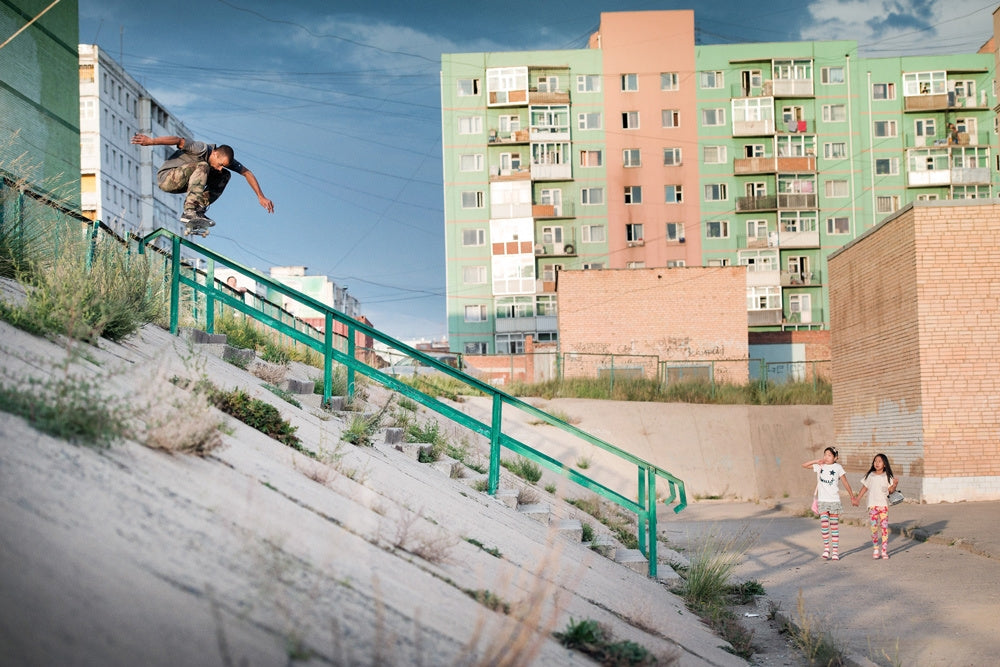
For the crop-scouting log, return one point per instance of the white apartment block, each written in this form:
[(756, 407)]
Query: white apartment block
[(118, 179)]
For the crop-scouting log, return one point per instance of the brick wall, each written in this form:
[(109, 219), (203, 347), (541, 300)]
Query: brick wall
[(915, 307), (690, 314)]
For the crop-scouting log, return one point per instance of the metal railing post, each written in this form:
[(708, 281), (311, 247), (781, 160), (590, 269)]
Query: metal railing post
[(175, 284), (210, 297), (494, 480), (327, 358), (350, 369)]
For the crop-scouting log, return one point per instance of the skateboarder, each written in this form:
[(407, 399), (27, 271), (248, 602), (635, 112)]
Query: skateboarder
[(202, 171)]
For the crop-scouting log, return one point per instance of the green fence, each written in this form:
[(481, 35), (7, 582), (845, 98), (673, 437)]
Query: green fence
[(209, 293)]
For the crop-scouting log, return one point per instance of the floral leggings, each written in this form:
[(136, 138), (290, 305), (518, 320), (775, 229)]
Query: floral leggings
[(879, 520)]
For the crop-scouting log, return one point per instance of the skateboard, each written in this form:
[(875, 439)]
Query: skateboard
[(198, 227)]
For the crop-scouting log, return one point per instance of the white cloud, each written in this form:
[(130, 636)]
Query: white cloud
[(902, 27)]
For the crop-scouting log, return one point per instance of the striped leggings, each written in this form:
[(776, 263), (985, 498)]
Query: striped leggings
[(829, 527)]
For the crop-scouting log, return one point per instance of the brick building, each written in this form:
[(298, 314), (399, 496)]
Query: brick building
[(915, 315), (629, 321)]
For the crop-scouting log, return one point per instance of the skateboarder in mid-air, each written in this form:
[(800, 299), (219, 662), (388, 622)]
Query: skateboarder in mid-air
[(202, 171)]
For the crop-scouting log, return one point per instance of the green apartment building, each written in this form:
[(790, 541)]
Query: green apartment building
[(40, 97), (645, 150)]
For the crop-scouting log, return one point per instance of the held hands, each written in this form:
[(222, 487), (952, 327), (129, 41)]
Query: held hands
[(854, 500)]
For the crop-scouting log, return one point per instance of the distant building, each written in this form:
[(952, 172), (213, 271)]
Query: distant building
[(118, 179), (915, 311), (646, 150), (39, 98), (320, 288)]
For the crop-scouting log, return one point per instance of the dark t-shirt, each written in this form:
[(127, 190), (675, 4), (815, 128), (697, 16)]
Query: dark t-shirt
[(196, 151)]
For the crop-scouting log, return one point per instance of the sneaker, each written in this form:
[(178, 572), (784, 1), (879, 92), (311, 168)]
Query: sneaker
[(834, 556), (826, 554), (885, 554), (196, 219)]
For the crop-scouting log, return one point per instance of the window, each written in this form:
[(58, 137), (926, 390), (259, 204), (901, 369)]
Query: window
[(590, 266), (473, 199), (549, 272), (834, 113), (836, 189), (470, 162), (970, 192), (764, 297), (590, 158), (753, 150), (475, 348), (510, 343), (592, 196), (670, 118), (675, 263), (669, 81), (474, 275), (633, 233), (755, 189), (473, 237), (633, 194), (630, 83), (515, 306), (887, 204), (635, 265), (673, 194), (509, 123), (710, 79), (675, 231), (548, 84), (470, 125), (713, 117), (831, 75), (885, 128), (716, 192), (838, 226), (588, 83), (924, 83), (714, 154), (925, 127), (630, 120), (671, 157), (631, 157), (833, 150), (717, 229), (592, 234), (889, 166), (546, 305), (757, 229), (475, 313), (468, 87), (883, 91), (588, 121)]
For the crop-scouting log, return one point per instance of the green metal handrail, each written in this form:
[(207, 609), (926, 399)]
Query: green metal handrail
[(644, 506)]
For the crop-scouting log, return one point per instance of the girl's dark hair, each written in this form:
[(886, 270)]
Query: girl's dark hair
[(885, 463), (832, 450)]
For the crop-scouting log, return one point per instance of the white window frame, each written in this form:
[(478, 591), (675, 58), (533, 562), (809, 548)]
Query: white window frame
[(470, 162), (630, 120), (593, 234), (591, 196), (714, 154), (711, 79), (678, 192), (888, 90), (713, 117), (670, 118), (836, 189), (672, 157), (478, 240), (586, 162), (885, 204), (884, 129), (588, 83), (834, 113), (826, 78), (716, 192), (470, 124), (669, 81), (631, 157), (476, 313), (834, 150), (721, 226), (634, 232), (473, 85), (474, 275), (675, 232), (925, 127), (891, 162), (917, 84), (588, 120), (633, 195), (834, 226), (478, 195), (630, 82)]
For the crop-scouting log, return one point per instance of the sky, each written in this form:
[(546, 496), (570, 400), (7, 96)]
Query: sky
[(336, 110)]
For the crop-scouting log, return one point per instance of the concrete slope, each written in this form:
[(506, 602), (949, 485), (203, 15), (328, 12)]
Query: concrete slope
[(260, 555)]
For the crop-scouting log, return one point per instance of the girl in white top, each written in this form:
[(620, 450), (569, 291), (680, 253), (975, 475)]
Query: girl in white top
[(879, 482), (828, 473)]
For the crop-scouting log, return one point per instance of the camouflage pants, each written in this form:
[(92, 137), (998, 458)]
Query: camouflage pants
[(202, 184)]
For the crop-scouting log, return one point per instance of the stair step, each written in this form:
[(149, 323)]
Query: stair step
[(540, 512), (294, 386), (633, 559), (570, 528), (604, 545), (508, 497)]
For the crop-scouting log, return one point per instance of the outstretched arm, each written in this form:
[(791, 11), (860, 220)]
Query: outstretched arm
[(264, 201), (144, 140)]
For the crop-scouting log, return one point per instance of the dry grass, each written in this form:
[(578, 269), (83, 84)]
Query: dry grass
[(176, 420), (415, 535), (270, 373)]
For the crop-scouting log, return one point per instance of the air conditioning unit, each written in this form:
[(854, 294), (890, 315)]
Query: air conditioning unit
[(539, 249)]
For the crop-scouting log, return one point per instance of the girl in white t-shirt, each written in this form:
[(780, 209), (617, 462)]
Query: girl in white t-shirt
[(828, 473), (879, 482)]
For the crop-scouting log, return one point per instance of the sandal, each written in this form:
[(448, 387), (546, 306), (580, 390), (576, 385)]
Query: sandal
[(834, 556), (875, 554), (885, 554), (826, 554)]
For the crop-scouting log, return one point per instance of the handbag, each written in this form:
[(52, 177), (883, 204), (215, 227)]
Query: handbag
[(895, 498)]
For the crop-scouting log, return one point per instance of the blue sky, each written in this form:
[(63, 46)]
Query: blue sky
[(336, 110)]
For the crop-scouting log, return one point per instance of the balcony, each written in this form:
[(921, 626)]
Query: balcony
[(515, 137), (927, 178), (753, 128), (546, 211), (526, 324), (790, 87), (551, 172), (555, 250), (772, 165), (763, 318), (762, 278), (800, 279), (548, 133), (536, 96), (798, 238), (514, 174), (508, 97), (512, 248), (750, 204), (943, 102)]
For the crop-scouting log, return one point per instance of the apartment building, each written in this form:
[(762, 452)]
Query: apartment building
[(647, 151), (117, 178), (39, 106)]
